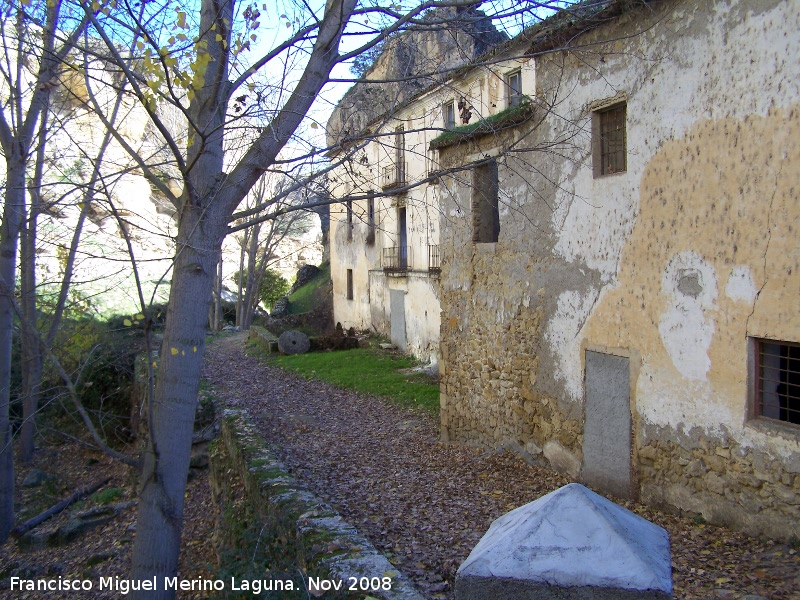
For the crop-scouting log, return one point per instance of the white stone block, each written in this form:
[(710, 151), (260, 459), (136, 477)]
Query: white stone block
[(571, 543)]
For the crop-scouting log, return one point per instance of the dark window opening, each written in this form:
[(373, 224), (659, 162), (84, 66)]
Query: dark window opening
[(371, 218), (349, 284), (485, 208), (349, 220), (402, 237), (778, 381)]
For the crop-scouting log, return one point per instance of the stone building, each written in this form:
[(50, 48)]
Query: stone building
[(384, 234), (620, 268)]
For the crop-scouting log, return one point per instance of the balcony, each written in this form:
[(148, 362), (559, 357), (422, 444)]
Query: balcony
[(396, 259), (434, 260), (394, 176)]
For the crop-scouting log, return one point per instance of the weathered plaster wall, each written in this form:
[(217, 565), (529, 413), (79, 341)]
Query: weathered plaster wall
[(675, 262), (370, 307)]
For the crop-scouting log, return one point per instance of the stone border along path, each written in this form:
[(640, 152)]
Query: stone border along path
[(425, 505), (327, 547)]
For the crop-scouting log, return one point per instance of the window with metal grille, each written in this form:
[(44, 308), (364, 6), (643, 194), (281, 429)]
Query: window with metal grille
[(349, 284), (777, 380), (609, 140)]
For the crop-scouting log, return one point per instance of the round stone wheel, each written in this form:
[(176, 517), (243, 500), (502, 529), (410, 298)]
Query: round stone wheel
[(293, 342)]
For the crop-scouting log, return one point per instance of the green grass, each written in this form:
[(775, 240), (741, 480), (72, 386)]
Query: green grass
[(509, 117), (370, 371), (108, 495), (302, 300)]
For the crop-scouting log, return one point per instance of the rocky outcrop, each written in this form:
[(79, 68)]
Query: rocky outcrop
[(423, 55)]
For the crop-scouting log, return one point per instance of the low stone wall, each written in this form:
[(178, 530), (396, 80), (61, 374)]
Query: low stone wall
[(723, 481), (300, 526), (263, 338)]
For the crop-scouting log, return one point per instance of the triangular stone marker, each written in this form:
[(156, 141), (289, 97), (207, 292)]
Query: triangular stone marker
[(569, 544)]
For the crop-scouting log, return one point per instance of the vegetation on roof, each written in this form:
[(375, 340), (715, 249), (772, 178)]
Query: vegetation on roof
[(510, 117)]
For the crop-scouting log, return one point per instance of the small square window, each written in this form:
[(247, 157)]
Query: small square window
[(514, 88), (349, 284), (777, 378), (449, 115), (609, 140)]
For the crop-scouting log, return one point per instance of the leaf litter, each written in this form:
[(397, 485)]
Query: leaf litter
[(426, 504)]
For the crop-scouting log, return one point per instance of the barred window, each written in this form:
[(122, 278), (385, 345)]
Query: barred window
[(609, 140), (777, 393)]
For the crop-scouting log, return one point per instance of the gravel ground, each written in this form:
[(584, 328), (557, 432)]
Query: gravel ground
[(426, 504)]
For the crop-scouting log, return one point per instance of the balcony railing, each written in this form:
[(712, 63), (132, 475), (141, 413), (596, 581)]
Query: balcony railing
[(434, 259), (394, 176), (396, 259)]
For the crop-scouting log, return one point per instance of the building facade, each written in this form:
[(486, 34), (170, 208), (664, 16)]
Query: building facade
[(620, 269), (385, 227)]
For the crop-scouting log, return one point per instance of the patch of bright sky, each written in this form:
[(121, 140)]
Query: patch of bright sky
[(281, 19)]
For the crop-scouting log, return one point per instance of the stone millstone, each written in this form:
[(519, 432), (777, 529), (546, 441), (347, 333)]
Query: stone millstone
[(570, 544), (293, 342)]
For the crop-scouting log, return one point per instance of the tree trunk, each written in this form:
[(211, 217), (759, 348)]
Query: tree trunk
[(210, 197), (32, 357), (166, 460), (240, 287), (9, 236), (31, 365)]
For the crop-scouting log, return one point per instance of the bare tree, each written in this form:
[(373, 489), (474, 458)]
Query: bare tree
[(260, 243), (33, 50), (83, 195), (193, 62)]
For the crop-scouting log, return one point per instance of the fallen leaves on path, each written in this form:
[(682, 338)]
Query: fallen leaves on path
[(426, 504)]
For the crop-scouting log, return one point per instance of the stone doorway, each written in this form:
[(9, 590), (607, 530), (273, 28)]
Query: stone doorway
[(397, 307), (607, 429)]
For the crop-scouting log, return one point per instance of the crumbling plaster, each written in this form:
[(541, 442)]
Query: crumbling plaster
[(675, 261)]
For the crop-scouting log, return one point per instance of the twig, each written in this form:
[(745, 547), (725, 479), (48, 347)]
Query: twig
[(43, 516)]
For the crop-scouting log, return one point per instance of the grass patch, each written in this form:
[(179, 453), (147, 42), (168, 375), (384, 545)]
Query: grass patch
[(107, 496), (303, 300), (510, 117), (369, 371)]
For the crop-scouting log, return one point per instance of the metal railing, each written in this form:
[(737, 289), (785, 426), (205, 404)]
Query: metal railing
[(396, 259), (434, 259), (394, 176)]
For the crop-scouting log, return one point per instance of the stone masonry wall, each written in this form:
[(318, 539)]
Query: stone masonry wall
[(678, 263), (721, 480)]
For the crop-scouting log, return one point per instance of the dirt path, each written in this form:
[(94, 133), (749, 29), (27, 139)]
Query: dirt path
[(426, 504)]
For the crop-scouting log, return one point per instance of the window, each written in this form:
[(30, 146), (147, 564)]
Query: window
[(777, 389), (485, 210), (349, 284), (349, 220), (394, 175), (449, 115), (370, 217), (609, 139), (514, 88), (399, 150)]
